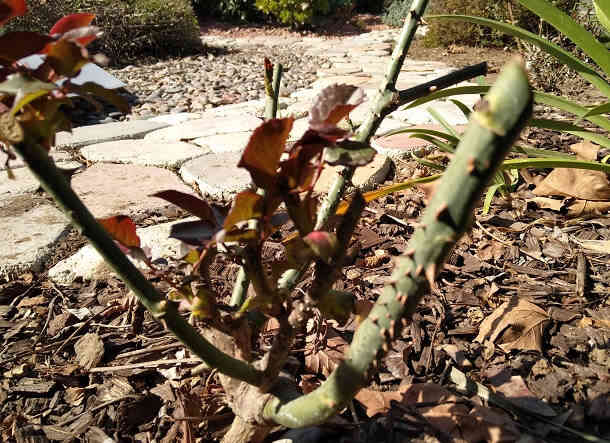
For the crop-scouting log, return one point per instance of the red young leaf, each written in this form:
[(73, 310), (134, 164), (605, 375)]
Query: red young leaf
[(20, 44), (262, 155), (122, 229), (189, 203), (322, 243), (10, 9), (73, 22), (333, 104)]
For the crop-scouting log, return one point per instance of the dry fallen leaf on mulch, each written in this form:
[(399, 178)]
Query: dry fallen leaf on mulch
[(323, 358), (89, 350), (600, 246), (590, 188), (516, 324), (443, 411)]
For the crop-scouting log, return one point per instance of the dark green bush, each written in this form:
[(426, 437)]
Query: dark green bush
[(396, 12), (232, 10), (373, 6), (131, 27)]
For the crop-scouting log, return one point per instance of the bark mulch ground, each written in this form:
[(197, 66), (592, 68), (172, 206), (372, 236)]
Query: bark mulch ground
[(513, 340)]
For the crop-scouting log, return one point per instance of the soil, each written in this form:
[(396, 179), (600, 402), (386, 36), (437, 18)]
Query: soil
[(548, 368)]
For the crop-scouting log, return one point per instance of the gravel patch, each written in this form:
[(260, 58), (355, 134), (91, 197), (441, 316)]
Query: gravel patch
[(224, 74)]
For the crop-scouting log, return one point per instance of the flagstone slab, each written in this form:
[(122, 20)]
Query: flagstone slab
[(28, 236), (143, 152), (420, 115), (174, 119), (87, 264), (111, 189), (23, 183), (88, 73), (89, 135), (354, 80), (217, 175), (57, 156), (365, 178), (204, 127), (235, 142)]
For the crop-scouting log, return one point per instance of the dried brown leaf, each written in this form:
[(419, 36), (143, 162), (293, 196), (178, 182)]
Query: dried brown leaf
[(446, 414), (327, 356), (580, 183), (516, 324)]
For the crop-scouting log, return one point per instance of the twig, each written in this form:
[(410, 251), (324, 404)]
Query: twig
[(149, 350), (509, 244), (469, 387), (148, 364), (581, 275), (91, 411), (80, 328), (272, 87)]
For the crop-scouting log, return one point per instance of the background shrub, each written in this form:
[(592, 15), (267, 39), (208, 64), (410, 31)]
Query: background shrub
[(301, 12), (396, 12), (131, 27), (443, 33)]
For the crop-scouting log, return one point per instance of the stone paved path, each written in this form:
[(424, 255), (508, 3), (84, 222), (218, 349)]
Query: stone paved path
[(124, 163)]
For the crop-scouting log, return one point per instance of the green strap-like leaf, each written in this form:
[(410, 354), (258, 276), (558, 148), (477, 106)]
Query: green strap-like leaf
[(444, 123), (584, 70), (445, 147), (449, 92), (431, 132), (465, 109), (575, 32), (570, 129), (539, 97), (598, 110), (602, 9)]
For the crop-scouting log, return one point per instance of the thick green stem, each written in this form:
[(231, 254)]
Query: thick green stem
[(488, 138), (386, 95), (365, 132), (240, 287), (53, 181), (271, 102)]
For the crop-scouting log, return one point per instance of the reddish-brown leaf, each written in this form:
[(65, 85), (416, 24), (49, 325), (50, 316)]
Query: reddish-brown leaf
[(20, 44), (333, 104), (247, 205), (189, 203), (122, 229), (72, 22), (66, 57), (10, 9), (262, 155)]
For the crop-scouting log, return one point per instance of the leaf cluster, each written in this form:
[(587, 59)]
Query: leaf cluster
[(31, 98)]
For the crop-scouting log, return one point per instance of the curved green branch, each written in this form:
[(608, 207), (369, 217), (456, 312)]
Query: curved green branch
[(489, 137), (54, 182)]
